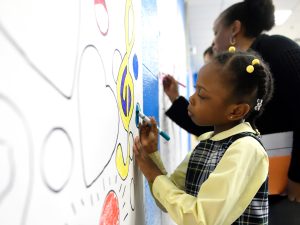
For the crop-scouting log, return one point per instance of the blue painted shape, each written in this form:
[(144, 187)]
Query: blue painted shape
[(150, 107), (195, 76), (150, 88), (123, 100), (150, 44), (135, 65), (137, 117), (188, 93)]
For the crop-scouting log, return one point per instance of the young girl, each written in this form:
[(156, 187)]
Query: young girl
[(224, 179)]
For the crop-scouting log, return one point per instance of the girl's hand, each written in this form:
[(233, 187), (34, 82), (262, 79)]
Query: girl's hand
[(144, 162), (170, 87), (149, 136)]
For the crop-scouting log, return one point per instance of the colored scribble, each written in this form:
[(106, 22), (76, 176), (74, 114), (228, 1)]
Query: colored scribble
[(110, 212), (125, 91), (101, 16)]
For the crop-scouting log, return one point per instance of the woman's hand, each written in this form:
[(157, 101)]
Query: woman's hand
[(170, 87), (293, 190)]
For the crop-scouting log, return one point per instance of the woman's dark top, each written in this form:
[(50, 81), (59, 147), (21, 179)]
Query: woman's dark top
[(283, 112)]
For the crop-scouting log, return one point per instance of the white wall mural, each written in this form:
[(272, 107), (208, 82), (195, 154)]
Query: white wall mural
[(70, 78)]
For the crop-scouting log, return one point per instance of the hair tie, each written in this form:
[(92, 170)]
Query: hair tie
[(258, 104), (255, 61), (250, 68)]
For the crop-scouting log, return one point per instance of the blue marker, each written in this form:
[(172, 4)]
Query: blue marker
[(147, 119)]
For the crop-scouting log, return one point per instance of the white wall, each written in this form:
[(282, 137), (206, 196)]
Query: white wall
[(67, 112)]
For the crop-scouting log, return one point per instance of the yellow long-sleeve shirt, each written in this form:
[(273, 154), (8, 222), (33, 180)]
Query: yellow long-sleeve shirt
[(224, 196)]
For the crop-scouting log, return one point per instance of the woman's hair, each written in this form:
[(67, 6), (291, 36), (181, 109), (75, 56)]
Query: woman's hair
[(247, 87), (256, 16)]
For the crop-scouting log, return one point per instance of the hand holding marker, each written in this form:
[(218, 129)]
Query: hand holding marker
[(139, 114), (164, 78)]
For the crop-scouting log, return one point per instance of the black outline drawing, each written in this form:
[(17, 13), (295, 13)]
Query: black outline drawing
[(12, 171), (80, 122), (30, 156), (52, 131)]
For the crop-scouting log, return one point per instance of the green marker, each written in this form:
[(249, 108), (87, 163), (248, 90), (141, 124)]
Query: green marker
[(139, 114)]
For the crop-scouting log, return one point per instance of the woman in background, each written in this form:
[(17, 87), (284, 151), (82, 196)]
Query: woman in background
[(241, 26)]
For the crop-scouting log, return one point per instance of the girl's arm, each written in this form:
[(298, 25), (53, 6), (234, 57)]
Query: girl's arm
[(148, 158), (225, 195)]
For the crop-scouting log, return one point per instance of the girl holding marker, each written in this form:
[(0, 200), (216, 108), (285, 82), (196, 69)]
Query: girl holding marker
[(224, 179)]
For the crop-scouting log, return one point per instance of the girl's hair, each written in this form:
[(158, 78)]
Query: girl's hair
[(256, 16), (208, 51), (247, 87)]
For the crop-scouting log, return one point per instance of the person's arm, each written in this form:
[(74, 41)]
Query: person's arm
[(155, 157), (225, 195), (293, 186), (290, 65), (148, 158), (178, 111), (178, 177)]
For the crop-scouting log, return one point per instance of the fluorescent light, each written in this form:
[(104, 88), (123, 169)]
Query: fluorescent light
[(281, 16)]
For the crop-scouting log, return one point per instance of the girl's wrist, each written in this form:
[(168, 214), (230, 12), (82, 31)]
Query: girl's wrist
[(152, 176), (151, 151), (150, 170)]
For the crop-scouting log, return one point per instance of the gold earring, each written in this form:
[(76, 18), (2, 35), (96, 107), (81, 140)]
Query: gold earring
[(232, 43), (232, 40)]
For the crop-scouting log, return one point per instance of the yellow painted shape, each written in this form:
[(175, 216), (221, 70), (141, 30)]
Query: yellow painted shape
[(125, 87), (122, 165)]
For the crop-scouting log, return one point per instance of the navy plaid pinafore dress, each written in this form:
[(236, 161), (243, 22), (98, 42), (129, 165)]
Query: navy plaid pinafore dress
[(204, 160)]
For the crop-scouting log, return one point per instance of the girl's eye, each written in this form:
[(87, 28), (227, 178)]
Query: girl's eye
[(200, 94)]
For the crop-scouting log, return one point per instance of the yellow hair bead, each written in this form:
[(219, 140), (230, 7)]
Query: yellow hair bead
[(255, 61), (250, 69), (231, 49)]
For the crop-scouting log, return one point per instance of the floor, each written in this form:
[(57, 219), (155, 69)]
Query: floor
[(283, 212)]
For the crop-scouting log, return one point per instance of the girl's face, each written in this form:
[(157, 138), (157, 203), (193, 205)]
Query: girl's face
[(209, 104), (222, 36)]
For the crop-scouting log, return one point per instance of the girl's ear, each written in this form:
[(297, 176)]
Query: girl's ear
[(238, 111)]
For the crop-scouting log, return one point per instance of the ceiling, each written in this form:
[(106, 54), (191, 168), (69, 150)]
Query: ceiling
[(202, 13)]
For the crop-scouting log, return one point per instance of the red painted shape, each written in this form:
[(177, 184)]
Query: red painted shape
[(110, 212), (101, 21), (102, 2)]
